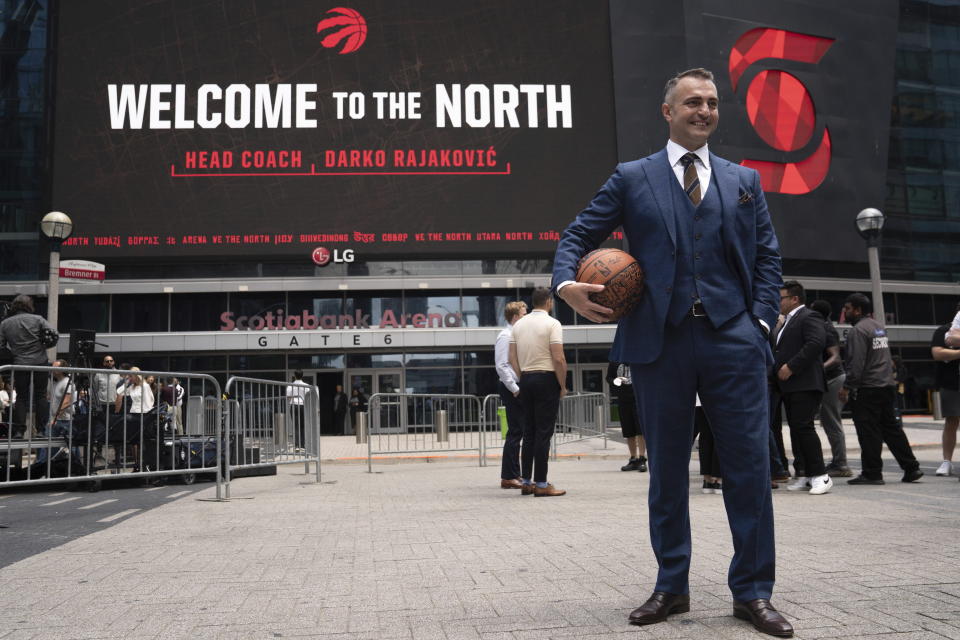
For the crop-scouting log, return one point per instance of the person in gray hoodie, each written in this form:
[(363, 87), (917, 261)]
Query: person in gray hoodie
[(871, 390)]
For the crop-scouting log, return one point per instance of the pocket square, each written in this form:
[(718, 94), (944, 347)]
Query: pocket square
[(745, 197)]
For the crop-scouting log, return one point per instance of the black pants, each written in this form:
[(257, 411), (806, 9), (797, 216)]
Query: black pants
[(41, 408), (511, 447), (801, 408), (296, 415), (776, 426), (876, 423), (709, 459), (540, 398)]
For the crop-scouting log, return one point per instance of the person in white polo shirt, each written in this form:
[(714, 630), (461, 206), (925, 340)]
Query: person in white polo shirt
[(536, 354)]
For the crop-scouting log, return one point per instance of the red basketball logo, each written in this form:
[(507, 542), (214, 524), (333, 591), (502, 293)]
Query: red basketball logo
[(780, 107), (346, 24), (321, 256)]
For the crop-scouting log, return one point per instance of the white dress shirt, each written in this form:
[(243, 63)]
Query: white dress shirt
[(786, 321), (501, 355), (675, 152)]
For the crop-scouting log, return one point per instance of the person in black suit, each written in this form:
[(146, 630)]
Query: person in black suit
[(798, 382)]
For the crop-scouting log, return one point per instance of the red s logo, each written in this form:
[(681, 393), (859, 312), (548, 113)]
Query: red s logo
[(780, 107)]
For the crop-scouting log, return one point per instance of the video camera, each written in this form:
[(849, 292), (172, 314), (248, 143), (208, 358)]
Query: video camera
[(83, 342)]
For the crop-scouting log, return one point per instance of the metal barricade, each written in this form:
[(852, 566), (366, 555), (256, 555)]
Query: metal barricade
[(407, 423), (271, 423), (82, 424), (581, 416)]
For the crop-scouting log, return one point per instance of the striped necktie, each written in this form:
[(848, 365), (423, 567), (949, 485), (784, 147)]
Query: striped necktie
[(691, 182)]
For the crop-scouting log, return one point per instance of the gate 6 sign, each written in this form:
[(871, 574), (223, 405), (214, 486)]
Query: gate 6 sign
[(780, 107)]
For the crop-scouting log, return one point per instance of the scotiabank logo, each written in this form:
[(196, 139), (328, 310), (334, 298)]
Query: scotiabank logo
[(322, 256), (345, 25), (781, 109)]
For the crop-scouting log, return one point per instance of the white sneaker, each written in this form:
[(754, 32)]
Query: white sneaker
[(945, 469), (799, 484), (821, 485)]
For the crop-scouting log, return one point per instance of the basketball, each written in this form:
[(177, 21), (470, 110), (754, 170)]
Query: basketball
[(619, 273)]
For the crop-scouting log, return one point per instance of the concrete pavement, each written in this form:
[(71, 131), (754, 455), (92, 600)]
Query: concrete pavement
[(439, 551)]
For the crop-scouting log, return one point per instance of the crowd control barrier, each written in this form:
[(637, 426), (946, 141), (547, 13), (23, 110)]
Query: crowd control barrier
[(581, 416), (45, 439), (415, 423), (270, 423)]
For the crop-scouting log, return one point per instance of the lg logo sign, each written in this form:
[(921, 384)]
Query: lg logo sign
[(323, 256), (781, 109)]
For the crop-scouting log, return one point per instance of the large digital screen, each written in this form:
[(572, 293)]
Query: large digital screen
[(407, 128), (805, 89)]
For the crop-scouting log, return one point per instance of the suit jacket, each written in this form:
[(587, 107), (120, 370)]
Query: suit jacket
[(638, 197), (801, 348)]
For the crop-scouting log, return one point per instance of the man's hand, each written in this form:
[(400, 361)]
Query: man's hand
[(784, 373), (844, 395), (516, 394), (576, 294), (563, 392), (952, 338)]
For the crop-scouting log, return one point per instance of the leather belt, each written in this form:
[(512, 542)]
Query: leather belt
[(697, 310)]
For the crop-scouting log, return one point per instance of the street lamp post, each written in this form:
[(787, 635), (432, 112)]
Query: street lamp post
[(57, 226), (870, 226)]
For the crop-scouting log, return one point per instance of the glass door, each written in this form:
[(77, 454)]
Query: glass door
[(385, 416), (592, 378)]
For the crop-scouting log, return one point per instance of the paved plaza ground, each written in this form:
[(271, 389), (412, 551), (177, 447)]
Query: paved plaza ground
[(436, 550)]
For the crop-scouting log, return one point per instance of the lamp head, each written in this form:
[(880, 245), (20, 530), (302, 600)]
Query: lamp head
[(870, 225), (57, 226)]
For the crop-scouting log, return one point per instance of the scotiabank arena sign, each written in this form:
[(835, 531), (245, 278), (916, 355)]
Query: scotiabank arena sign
[(277, 321)]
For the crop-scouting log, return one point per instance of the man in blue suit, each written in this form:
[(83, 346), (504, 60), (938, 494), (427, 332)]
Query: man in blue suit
[(700, 228)]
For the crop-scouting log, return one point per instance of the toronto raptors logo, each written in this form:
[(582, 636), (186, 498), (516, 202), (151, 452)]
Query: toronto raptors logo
[(780, 107), (321, 256), (346, 24)]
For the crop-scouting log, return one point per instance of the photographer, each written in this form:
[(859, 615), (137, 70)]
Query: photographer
[(28, 336)]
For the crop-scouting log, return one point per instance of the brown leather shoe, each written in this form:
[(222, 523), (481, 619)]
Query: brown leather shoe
[(764, 617), (513, 483), (527, 489), (660, 605), (548, 490)]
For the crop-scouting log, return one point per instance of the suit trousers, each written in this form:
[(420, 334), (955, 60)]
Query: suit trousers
[(830, 421), (728, 367), (540, 399), (510, 468), (801, 408), (876, 424)]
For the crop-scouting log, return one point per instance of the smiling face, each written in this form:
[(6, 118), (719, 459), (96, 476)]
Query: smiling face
[(692, 112)]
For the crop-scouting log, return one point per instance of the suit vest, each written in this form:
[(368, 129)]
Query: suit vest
[(702, 270)]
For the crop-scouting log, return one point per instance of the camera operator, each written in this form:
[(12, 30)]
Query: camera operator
[(62, 408), (104, 387), (25, 333)]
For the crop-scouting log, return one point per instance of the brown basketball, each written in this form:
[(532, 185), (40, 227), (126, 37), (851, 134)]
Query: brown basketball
[(619, 273)]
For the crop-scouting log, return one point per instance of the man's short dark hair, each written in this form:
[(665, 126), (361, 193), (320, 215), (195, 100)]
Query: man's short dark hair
[(698, 72), (22, 304), (541, 295), (822, 307), (794, 288), (298, 374), (860, 301)]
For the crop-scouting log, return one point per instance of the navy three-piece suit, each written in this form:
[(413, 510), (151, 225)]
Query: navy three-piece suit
[(724, 254)]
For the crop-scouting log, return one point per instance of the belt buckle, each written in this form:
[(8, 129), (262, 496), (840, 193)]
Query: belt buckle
[(698, 306)]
